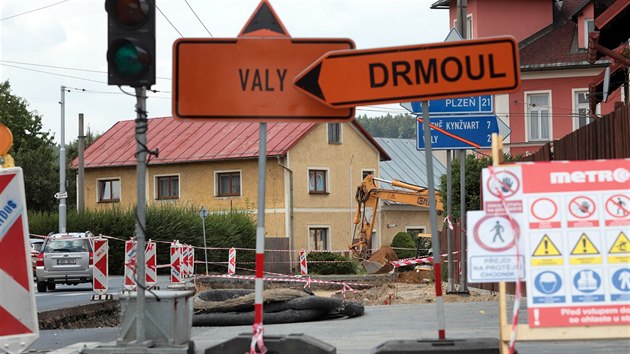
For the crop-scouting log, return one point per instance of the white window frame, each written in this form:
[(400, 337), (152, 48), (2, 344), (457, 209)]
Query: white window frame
[(216, 184), (407, 228), (469, 26), (586, 22), (369, 170), (340, 134), (311, 245), (574, 104), (156, 192), (308, 172), (98, 190), (526, 120)]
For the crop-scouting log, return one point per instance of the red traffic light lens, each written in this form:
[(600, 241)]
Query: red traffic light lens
[(129, 13)]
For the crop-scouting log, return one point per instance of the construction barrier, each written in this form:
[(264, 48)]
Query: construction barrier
[(100, 270), (189, 261), (232, 261), (303, 265), (18, 313), (176, 264), (130, 265), (150, 261)]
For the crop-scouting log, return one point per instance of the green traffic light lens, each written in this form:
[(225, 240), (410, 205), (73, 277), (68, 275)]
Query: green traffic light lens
[(130, 60)]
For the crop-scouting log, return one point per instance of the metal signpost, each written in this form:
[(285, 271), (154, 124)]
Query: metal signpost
[(204, 214)]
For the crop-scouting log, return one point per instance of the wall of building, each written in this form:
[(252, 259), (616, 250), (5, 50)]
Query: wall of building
[(344, 163), (399, 218), (561, 84), (128, 186)]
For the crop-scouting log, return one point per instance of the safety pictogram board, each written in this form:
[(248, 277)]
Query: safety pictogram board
[(495, 248), (617, 208), (544, 213), (582, 211), (591, 245), (18, 312), (584, 250), (545, 251), (619, 251), (502, 189)]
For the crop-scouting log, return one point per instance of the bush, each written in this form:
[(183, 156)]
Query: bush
[(342, 265), (163, 224), (406, 241)]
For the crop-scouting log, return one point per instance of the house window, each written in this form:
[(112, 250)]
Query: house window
[(469, 27), (109, 190), (581, 109), (229, 184), (317, 181), (365, 173), (589, 26), (414, 231), (334, 133), (318, 238), (167, 187), (538, 118)]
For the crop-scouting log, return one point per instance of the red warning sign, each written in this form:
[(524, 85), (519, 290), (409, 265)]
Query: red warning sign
[(582, 212), (544, 213), (18, 313), (617, 210)]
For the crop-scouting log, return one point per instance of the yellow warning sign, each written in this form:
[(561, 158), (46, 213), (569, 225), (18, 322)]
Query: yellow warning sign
[(549, 253), (585, 247), (620, 250)]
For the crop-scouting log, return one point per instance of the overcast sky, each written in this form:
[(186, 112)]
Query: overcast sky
[(49, 43)]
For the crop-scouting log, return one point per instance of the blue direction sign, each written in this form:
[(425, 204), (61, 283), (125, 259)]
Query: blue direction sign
[(461, 132), (462, 105)]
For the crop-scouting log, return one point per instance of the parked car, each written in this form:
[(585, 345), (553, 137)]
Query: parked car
[(36, 247), (65, 258)]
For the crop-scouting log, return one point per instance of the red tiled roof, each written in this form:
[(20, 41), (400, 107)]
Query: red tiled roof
[(185, 141), (556, 47)]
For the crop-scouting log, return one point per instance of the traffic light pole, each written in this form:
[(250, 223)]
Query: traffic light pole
[(141, 168)]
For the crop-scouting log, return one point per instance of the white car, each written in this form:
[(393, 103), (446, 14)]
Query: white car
[(64, 259)]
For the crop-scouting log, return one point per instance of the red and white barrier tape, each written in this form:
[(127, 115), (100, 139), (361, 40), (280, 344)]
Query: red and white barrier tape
[(287, 279)]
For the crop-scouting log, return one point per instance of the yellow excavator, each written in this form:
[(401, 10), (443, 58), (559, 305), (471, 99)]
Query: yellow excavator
[(367, 197)]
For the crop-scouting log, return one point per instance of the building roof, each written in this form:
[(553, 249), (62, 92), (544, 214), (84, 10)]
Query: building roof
[(181, 141), (407, 163)]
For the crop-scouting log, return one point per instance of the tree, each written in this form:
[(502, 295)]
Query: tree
[(400, 126), (33, 150)]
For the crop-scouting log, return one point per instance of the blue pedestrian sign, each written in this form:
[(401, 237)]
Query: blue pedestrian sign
[(588, 284), (461, 105), (461, 132), (621, 284), (548, 285)]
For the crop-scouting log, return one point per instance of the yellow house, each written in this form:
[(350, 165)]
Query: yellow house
[(312, 173)]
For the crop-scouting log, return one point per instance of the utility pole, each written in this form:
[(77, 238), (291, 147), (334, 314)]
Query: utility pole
[(62, 195), (81, 174), (463, 286)]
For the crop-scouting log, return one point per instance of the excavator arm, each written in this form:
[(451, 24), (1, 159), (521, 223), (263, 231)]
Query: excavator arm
[(367, 196)]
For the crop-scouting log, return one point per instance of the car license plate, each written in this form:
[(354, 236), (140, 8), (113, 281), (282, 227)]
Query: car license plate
[(66, 261)]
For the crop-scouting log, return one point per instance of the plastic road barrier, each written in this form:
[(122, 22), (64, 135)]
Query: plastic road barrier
[(232, 261), (101, 269)]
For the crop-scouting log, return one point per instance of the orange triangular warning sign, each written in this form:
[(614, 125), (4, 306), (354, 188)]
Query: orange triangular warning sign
[(584, 246), (546, 247), (264, 23), (621, 244)]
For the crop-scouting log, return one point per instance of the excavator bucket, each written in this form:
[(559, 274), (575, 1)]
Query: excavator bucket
[(379, 262)]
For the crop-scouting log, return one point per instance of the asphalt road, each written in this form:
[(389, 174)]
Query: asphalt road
[(360, 335)]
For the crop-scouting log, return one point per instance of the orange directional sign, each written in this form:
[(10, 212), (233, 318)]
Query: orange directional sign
[(442, 70), (250, 78)]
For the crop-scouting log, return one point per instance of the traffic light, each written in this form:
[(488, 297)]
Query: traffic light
[(131, 42)]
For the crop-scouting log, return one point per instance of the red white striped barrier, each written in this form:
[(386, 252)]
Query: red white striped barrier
[(183, 260), (130, 265), (232, 261), (150, 270), (18, 313), (189, 261), (176, 265), (100, 271), (303, 265), (192, 257)]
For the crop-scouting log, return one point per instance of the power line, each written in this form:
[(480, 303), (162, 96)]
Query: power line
[(193, 11), (50, 73), (169, 21), (28, 12), (64, 68)]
